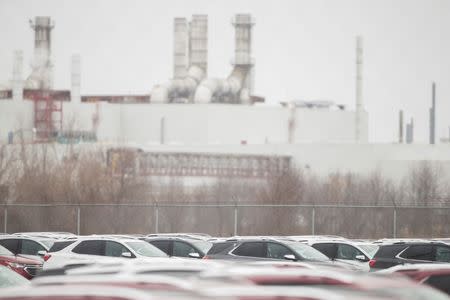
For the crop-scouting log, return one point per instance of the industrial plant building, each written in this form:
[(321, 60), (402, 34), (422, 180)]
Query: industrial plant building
[(193, 113)]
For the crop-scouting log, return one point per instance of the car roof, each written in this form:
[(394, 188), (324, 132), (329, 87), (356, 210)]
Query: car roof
[(76, 290)]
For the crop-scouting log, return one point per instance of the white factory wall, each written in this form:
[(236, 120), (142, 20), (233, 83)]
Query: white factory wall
[(16, 116), (192, 124), (213, 123)]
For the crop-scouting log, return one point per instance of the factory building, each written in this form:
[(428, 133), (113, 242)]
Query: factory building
[(193, 113)]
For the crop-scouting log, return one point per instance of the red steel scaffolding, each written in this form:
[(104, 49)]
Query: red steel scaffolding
[(48, 114)]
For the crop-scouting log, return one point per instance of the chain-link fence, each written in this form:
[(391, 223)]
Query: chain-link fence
[(230, 219)]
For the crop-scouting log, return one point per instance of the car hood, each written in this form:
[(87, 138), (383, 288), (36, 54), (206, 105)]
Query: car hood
[(20, 259)]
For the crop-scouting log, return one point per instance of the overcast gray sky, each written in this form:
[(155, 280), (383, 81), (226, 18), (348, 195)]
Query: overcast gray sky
[(303, 49)]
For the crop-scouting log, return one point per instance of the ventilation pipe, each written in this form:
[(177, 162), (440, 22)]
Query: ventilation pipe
[(41, 76), (238, 86), (186, 80), (17, 82)]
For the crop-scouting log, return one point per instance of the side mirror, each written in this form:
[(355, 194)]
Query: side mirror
[(290, 257), (127, 255), (362, 258), (194, 255), (42, 253)]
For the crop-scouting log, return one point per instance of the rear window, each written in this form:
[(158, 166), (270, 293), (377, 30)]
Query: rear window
[(58, 246), (221, 247), (389, 251), (90, 247), (419, 252), (161, 245), (251, 249)]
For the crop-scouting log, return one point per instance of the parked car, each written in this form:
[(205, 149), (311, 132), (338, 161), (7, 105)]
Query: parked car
[(264, 248), (435, 275), (97, 248), (28, 246), (24, 266), (389, 255), (9, 278), (353, 252), (180, 247)]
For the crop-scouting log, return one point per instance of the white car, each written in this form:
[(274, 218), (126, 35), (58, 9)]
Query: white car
[(357, 253), (88, 250)]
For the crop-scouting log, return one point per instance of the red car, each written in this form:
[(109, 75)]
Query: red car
[(24, 266)]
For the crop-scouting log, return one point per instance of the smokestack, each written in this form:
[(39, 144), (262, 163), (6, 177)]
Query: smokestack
[(198, 42), (359, 86), (180, 48), (400, 127), (410, 132), (76, 79), (243, 24), (17, 82), (433, 115), (42, 74)]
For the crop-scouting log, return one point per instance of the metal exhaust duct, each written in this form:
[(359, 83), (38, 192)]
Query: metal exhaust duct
[(238, 86), (17, 82), (359, 86), (41, 76), (182, 88)]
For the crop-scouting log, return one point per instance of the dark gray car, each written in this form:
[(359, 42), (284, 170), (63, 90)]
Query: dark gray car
[(264, 249)]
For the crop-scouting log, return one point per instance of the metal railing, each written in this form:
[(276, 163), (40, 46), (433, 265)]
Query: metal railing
[(366, 221)]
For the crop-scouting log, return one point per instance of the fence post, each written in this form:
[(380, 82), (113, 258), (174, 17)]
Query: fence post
[(395, 223), (78, 220), (235, 219), (156, 218), (5, 215), (313, 221)]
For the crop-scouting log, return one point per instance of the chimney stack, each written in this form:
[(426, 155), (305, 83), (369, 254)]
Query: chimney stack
[(433, 115), (359, 87), (180, 48)]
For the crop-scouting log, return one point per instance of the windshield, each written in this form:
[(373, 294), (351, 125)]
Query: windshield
[(369, 249), (204, 246), (4, 251), (308, 252), (145, 249)]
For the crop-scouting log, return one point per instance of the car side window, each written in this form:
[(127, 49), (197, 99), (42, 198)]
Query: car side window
[(419, 252), (251, 249), (11, 244), (115, 249), (348, 252), (90, 247), (161, 245), (441, 282), (182, 249), (328, 249), (442, 254), (31, 247), (277, 251)]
